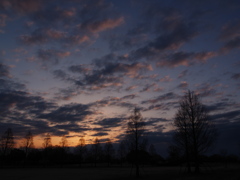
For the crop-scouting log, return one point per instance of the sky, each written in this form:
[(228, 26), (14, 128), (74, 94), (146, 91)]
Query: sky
[(80, 67)]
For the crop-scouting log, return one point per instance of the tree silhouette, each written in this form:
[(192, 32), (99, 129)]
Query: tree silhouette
[(47, 142), (194, 132), (81, 149), (7, 142), (135, 135), (47, 145), (28, 143), (96, 150), (64, 143), (109, 151)]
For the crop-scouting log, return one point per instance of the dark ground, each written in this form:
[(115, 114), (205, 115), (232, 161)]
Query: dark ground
[(232, 172)]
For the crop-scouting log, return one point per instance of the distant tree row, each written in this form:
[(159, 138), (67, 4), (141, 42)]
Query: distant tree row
[(62, 154)]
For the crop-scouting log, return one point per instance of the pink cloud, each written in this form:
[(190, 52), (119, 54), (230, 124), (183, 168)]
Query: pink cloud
[(69, 13), (76, 39), (204, 56), (99, 26), (183, 84), (131, 88), (133, 70), (166, 79), (63, 54)]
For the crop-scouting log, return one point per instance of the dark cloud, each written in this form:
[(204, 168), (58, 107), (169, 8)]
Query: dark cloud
[(41, 36), (172, 40), (21, 7), (11, 85), (70, 23), (4, 70), (183, 85), (110, 122), (185, 59), (162, 98), (131, 88), (154, 121), (220, 106), (100, 134), (236, 76), (80, 69), (131, 96), (230, 36), (232, 44), (227, 117), (20, 101), (230, 31), (148, 87), (114, 101), (163, 106), (60, 74), (206, 90), (102, 76), (183, 74), (127, 41), (72, 128), (71, 113), (52, 55)]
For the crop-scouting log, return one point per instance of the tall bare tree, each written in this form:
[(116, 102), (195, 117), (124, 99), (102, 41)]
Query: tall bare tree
[(135, 135), (81, 149), (64, 142), (7, 142), (47, 142), (28, 143), (195, 133)]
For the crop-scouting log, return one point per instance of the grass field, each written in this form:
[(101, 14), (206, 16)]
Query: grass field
[(148, 173)]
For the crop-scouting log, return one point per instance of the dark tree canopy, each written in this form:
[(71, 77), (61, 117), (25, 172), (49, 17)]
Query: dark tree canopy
[(195, 134)]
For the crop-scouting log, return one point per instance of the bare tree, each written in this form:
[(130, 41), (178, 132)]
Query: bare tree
[(135, 135), (109, 151), (64, 143), (28, 143), (195, 134), (81, 149), (96, 150), (7, 142), (47, 142)]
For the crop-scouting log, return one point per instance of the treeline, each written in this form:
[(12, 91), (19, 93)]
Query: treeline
[(194, 135), (96, 154), (93, 155)]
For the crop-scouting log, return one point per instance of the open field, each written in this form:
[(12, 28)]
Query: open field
[(148, 173)]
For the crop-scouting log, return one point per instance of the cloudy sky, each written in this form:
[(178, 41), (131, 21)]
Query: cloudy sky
[(79, 67)]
